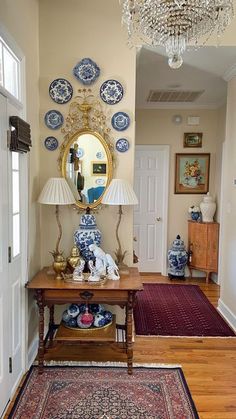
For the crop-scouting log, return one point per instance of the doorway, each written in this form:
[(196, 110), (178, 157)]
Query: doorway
[(151, 184)]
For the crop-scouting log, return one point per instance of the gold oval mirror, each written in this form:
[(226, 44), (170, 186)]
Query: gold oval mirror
[(87, 167)]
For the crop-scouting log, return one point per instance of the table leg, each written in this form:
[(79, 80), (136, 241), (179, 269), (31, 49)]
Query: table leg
[(39, 297), (51, 325), (129, 332)]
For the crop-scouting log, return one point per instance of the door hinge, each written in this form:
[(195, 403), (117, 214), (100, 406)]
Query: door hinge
[(9, 254), (10, 365)]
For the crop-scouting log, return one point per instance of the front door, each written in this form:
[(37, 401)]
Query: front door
[(5, 323), (150, 215)]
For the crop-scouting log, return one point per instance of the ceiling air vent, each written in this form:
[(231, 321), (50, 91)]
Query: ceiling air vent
[(173, 95)]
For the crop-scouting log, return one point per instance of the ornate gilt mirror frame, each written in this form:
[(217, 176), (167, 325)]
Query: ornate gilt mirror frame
[(86, 116)]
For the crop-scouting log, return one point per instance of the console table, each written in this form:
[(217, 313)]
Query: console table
[(49, 291)]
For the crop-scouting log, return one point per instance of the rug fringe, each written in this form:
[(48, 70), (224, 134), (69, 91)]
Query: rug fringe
[(105, 364), (185, 337)]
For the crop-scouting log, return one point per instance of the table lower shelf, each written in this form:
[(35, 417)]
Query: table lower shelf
[(104, 334)]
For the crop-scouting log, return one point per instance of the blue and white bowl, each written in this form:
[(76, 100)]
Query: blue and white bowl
[(73, 310)]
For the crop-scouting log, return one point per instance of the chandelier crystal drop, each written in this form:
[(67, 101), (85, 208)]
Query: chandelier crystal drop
[(174, 24)]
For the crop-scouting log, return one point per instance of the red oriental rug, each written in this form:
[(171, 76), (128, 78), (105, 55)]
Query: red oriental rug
[(177, 310), (104, 393)]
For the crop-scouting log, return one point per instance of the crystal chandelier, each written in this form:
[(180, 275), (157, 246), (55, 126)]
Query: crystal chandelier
[(175, 23)]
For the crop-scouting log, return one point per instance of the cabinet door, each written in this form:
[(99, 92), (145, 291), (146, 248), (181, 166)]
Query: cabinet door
[(198, 244), (212, 248)]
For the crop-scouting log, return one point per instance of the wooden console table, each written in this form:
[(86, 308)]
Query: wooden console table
[(49, 291)]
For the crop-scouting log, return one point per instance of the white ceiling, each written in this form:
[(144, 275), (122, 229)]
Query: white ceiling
[(203, 69)]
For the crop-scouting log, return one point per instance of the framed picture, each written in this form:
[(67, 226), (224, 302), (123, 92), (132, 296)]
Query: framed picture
[(193, 139), (99, 168), (192, 173)]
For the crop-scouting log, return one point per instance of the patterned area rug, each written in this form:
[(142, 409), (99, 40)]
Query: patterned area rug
[(177, 310), (104, 393)]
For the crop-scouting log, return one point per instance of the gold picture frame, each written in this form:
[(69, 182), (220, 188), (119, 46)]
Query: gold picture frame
[(193, 139), (99, 168), (192, 173)]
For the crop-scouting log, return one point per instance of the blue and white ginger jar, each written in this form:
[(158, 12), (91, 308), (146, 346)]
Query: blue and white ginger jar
[(177, 258), (87, 234)]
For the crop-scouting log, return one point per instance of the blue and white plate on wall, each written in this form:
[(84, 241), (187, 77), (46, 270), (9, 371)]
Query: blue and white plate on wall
[(51, 143), (122, 145), (100, 155), (120, 121), (86, 71), (80, 152), (100, 181), (60, 91), (53, 119), (111, 92)]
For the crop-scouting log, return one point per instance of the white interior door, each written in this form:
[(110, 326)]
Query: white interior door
[(150, 216), (5, 312)]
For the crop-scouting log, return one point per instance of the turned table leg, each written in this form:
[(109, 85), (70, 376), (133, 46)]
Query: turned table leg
[(51, 325), (129, 332), (39, 297)]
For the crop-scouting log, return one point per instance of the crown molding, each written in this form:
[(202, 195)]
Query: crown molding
[(230, 73)]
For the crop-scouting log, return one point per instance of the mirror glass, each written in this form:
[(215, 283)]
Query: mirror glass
[(87, 168)]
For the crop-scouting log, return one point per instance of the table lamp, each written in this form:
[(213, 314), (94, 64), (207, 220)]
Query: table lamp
[(119, 192), (57, 192)]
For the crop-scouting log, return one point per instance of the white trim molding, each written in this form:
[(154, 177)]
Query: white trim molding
[(230, 73), (228, 315)]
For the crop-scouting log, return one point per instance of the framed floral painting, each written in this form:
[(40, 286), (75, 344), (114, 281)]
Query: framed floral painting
[(192, 173)]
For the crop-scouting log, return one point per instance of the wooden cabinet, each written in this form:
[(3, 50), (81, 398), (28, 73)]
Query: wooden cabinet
[(203, 243)]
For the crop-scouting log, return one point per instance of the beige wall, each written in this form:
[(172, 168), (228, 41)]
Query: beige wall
[(70, 31), (156, 127)]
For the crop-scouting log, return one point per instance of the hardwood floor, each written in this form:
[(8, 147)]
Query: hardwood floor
[(209, 364)]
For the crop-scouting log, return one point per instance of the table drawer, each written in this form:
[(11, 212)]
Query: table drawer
[(100, 296)]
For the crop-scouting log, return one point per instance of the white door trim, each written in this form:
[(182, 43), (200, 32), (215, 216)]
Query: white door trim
[(166, 163)]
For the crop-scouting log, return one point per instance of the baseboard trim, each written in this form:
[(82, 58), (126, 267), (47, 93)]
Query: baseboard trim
[(228, 315), (32, 351)]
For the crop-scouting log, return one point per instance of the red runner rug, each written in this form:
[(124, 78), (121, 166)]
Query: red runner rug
[(104, 393), (177, 310)]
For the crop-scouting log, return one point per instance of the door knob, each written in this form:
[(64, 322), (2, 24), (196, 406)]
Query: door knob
[(158, 219)]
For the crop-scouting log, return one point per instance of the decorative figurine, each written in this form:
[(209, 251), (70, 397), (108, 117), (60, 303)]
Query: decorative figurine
[(177, 258), (78, 272), (74, 257), (104, 263), (94, 273)]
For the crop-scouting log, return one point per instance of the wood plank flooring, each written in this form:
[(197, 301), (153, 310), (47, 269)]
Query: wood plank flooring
[(209, 364)]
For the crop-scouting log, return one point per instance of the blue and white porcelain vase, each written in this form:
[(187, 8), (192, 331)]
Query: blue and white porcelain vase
[(87, 234), (177, 258)]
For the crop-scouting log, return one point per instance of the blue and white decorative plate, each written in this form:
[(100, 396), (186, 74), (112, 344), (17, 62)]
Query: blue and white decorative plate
[(80, 152), (111, 92), (120, 121), (100, 182), (86, 71), (51, 143), (60, 91), (100, 155), (122, 145), (53, 119)]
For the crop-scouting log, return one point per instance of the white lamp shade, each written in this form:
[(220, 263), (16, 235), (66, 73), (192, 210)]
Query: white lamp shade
[(119, 192), (56, 191)]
